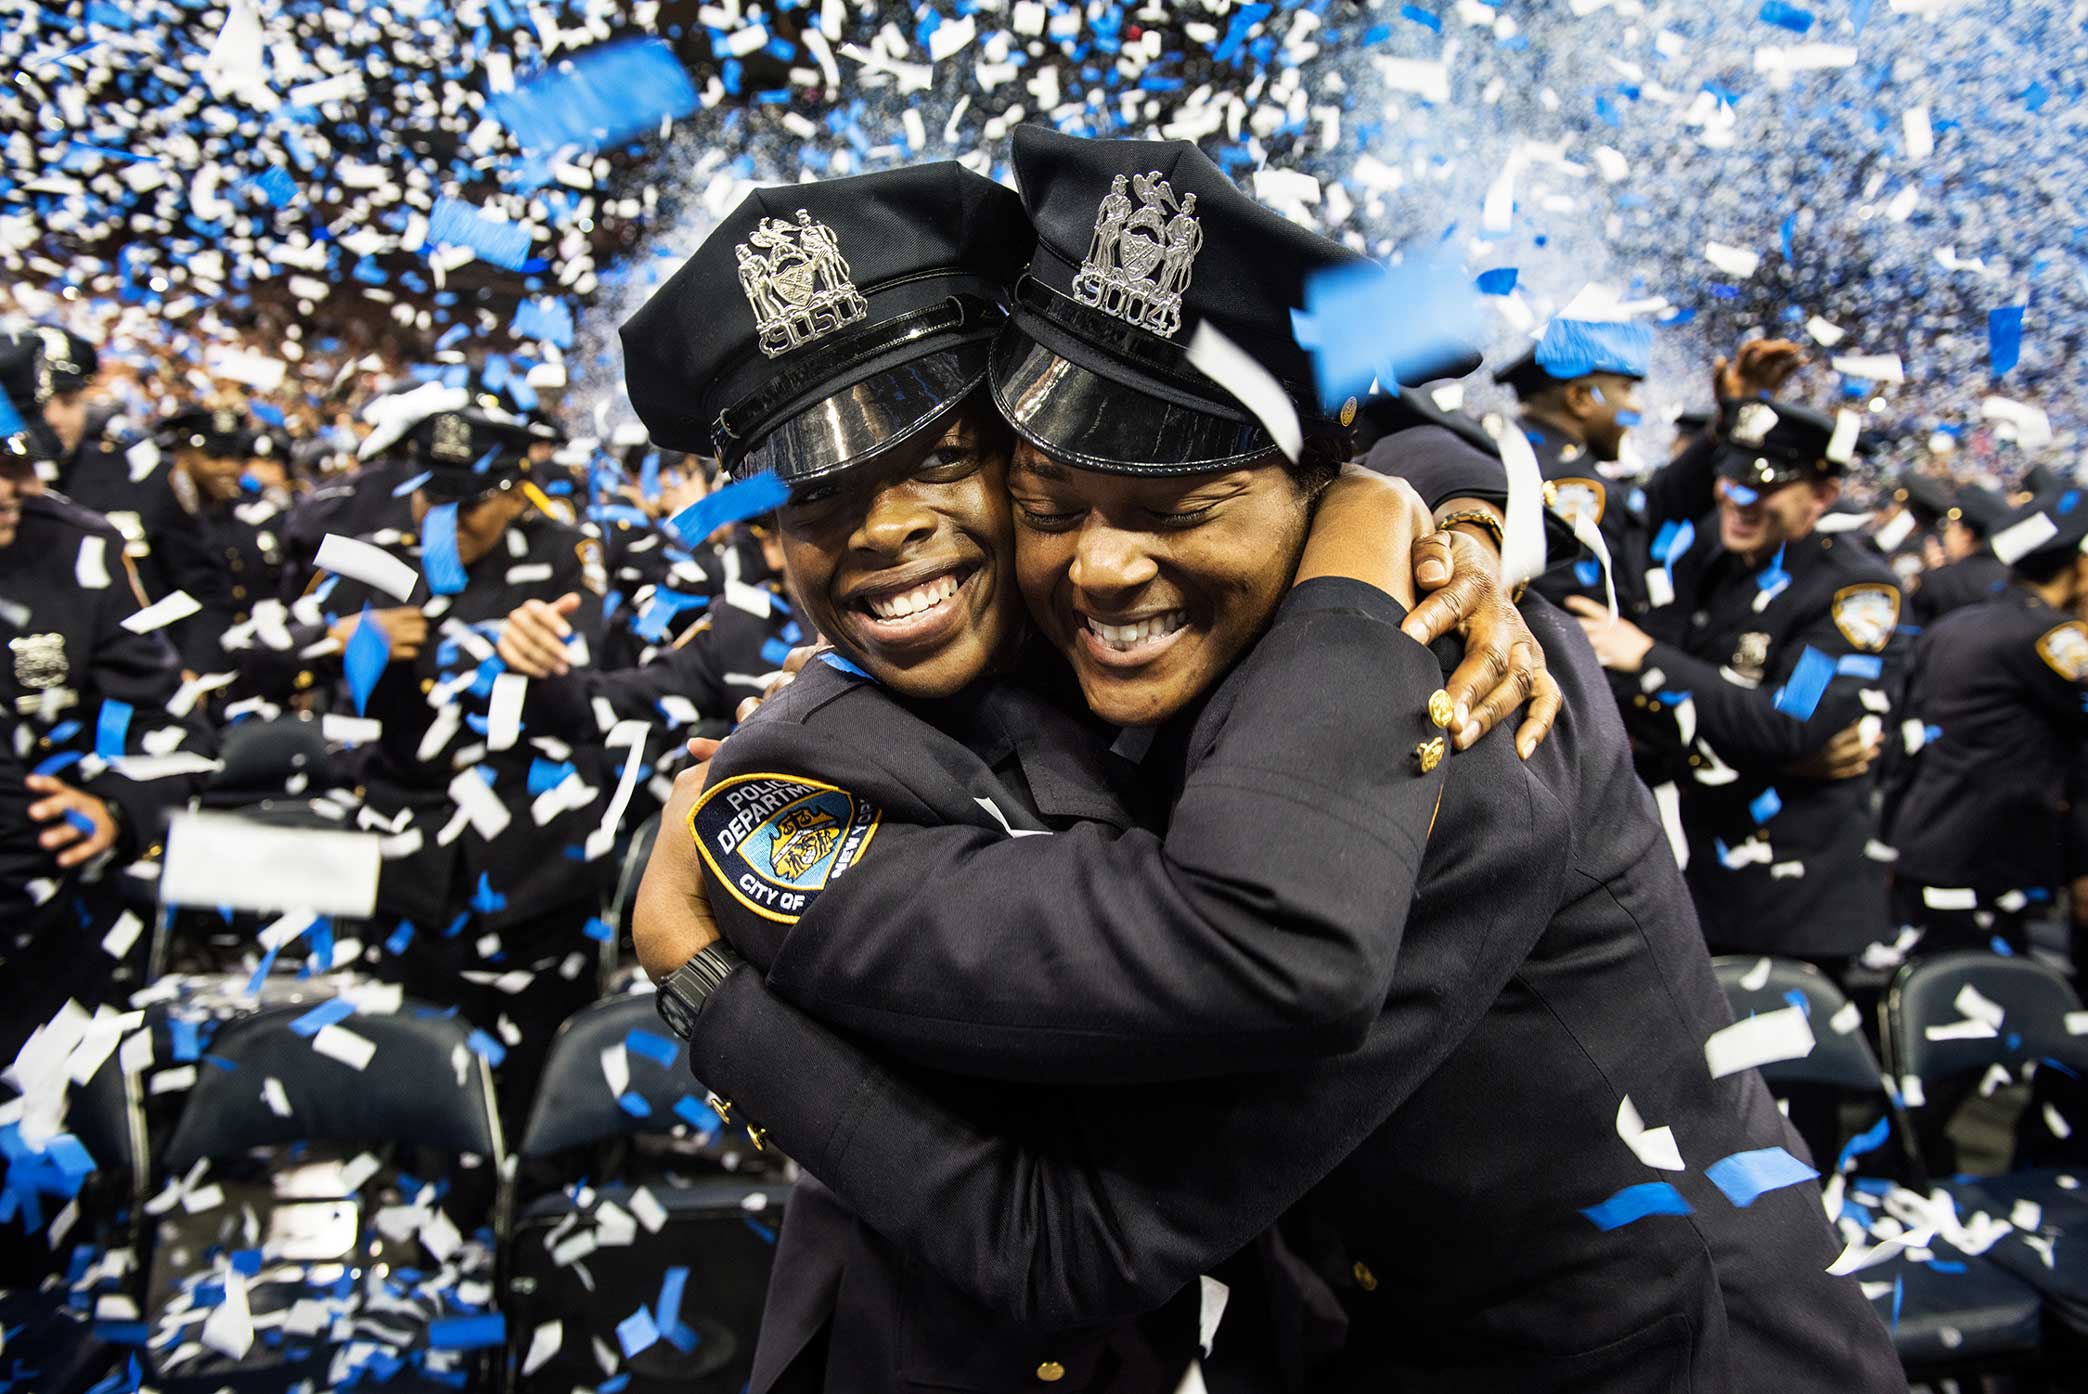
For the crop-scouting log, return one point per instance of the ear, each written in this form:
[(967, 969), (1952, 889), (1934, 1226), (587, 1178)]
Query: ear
[(1828, 492), (1580, 398)]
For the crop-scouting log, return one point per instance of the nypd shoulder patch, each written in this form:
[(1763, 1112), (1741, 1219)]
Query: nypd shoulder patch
[(2064, 648), (775, 841), (1867, 614)]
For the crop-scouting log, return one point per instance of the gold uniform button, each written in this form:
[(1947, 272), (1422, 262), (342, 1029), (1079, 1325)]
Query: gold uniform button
[(1638, 699), (304, 680), (1051, 1372), (1440, 707), (1429, 754), (1696, 762), (1365, 1279)]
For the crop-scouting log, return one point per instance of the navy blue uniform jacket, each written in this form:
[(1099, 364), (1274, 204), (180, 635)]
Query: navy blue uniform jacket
[(1469, 1034)]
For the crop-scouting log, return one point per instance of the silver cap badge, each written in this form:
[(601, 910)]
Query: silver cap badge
[(1139, 259), (797, 283), (450, 438), (1753, 423)]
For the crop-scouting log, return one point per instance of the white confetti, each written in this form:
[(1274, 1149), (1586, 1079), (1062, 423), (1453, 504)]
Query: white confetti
[(1760, 1040)]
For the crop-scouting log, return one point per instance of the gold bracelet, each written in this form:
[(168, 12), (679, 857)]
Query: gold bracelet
[(1479, 516), (1482, 518)]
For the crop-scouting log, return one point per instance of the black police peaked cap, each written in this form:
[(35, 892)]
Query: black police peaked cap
[(1979, 509), (72, 361), (819, 324), (221, 432), (1767, 444), (2053, 525), (25, 379), (1138, 243), (473, 451)]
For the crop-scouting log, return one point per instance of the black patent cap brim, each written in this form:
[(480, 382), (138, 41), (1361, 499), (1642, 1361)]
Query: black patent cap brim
[(866, 418), (1076, 415), (1758, 471)]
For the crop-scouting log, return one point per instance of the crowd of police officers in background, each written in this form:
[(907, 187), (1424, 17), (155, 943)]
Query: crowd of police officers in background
[(1861, 707)]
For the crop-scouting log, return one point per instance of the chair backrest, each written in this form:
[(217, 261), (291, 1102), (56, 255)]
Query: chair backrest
[(633, 869), (422, 1085), (1840, 1058), (260, 758), (107, 1115), (1941, 1016), (575, 1106)]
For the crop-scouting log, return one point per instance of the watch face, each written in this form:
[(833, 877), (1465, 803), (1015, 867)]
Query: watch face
[(679, 1016)]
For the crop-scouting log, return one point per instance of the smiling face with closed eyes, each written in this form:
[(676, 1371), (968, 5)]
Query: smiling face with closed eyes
[(1153, 586)]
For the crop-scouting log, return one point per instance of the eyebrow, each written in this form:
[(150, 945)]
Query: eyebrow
[(1044, 469)]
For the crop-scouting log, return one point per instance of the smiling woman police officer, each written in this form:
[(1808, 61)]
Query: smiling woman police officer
[(871, 305), (1460, 1176)]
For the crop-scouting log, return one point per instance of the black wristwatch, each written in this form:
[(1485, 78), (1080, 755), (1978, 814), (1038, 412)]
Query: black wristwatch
[(684, 991)]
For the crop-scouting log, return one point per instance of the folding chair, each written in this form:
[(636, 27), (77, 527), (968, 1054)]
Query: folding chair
[(659, 1267), (1965, 1020), (1951, 1314), (627, 878), (286, 1252), (68, 1333)]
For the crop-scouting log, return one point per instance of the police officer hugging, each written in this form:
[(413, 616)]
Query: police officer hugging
[(1437, 1095)]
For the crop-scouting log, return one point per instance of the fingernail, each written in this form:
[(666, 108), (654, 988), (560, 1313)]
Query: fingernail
[(1464, 713)]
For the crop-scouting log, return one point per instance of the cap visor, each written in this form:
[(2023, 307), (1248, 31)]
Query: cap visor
[(866, 417), (1077, 415), (1756, 471)]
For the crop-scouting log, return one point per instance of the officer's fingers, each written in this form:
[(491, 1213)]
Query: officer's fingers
[(565, 605), (747, 708), (1511, 692), (1546, 700), (90, 846), (798, 657), (1433, 563), (533, 654), (1489, 661), (1585, 608), (702, 748), (1446, 609)]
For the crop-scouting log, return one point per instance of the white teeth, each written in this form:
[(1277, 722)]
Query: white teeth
[(921, 597), (1127, 636)]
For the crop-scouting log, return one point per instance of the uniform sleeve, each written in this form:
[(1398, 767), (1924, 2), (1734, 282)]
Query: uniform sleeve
[(1681, 491), (1770, 724), (702, 671), (1085, 1206), (136, 677), (1264, 925)]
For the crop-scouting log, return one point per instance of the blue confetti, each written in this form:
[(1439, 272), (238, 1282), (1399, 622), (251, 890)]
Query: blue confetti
[(1635, 1203), (1746, 1176), (1765, 805), (331, 1012), (1498, 281), (1406, 324), (467, 1333), (637, 1332), (598, 930), (1867, 1141), (1800, 695), (441, 563), (2004, 339), (1784, 16), (598, 97), (655, 1048), (735, 503), (364, 660), (112, 728), (455, 223)]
